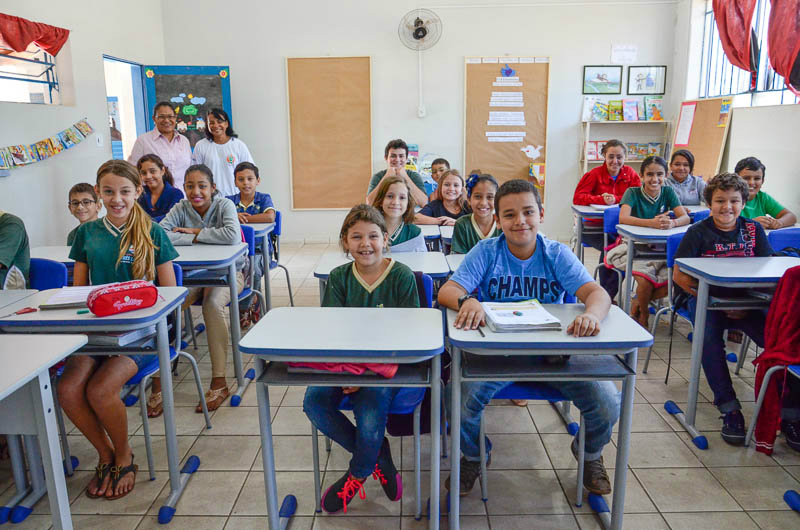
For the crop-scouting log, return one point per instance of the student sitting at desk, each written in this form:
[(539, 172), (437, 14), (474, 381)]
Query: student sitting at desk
[(251, 206), (606, 184), (124, 245), (15, 255), (650, 206), (521, 264), (450, 203), (83, 205), (469, 230), (160, 193), (371, 280), (396, 154), (395, 202), (205, 216), (688, 187), (438, 168), (726, 234), (761, 206)]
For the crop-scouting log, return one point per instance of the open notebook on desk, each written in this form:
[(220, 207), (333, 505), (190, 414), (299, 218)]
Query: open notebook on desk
[(526, 315), (70, 297)]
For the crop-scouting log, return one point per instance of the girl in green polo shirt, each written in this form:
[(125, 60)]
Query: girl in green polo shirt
[(650, 205), (480, 224), (124, 245), (395, 202)]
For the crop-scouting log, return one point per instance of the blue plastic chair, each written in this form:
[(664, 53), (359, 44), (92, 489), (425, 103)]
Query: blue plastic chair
[(406, 401), (47, 274), (700, 216), (782, 238), (610, 222), (275, 253)]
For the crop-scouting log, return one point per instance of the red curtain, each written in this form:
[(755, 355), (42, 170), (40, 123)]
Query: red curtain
[(19, 33), (783, 41), (734, 18)]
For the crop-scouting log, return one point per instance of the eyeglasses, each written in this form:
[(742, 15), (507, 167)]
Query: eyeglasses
[(86, 203), (166, 117)]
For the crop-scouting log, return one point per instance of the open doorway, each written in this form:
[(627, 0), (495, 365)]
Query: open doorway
[(126, 107)]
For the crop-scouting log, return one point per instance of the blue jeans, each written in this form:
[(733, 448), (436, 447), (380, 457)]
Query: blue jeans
[(364, 440), (598, 401)]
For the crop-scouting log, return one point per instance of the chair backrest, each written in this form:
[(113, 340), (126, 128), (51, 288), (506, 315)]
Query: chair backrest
[(277, 230), (424, 289), (700, 216), (673, 242), (780, 239), (250, 238), (47, 274), (570, 298), (611, 220), (178, 274)]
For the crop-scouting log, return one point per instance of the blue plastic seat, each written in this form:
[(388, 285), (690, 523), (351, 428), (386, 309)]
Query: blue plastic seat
[(275, 253), (47, 274), (782, 238), (700, 216), (610, 222)]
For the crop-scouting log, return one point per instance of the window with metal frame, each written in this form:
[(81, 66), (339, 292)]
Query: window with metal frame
[(718, 77), (29, 76)]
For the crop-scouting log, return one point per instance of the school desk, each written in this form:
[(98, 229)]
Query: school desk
[(26, 407), (338, 334), (610, 355), (721, 272), (12, 296), (70, 321), (454, 260), (642, 234), (215, 266), (262, 231), (432, 236), (446, 233), (585, 213), (434, 264)]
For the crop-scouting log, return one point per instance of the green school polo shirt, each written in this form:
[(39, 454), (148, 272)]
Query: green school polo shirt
[(15, 256), (397, 287), (413, 175), (97, 245), (762, 204), (466, 235), (644, 207), (406, 233)]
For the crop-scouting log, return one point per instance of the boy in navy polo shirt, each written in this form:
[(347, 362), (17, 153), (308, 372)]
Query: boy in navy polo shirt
[(521, 264), (253, 206)]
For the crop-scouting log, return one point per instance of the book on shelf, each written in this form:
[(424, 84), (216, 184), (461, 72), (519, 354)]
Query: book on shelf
[(654, 108), (633, 150), (600, 111), (120, 338), (641, 151), (591, 150), (630, 110), (615, 110), (654, 149), (588, 107), (640, 109), (526, 315)]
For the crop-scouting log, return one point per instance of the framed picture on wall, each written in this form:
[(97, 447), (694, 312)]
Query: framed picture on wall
[(602, 79), (649, 80)]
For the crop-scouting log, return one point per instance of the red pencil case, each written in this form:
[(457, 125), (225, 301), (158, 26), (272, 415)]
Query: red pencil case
[(122, 297)]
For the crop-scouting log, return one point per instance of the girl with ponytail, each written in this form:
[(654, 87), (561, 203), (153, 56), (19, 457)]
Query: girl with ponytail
[(124, 245)]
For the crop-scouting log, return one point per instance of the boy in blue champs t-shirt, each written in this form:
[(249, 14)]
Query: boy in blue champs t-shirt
[(521, 264)]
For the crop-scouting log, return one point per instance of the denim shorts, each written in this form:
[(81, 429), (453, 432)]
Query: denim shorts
[(141, 360)]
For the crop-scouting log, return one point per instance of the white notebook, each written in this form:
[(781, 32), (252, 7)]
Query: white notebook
[(526, 315)]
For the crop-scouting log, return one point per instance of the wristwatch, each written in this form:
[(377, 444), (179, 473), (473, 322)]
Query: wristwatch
[(463, 298)]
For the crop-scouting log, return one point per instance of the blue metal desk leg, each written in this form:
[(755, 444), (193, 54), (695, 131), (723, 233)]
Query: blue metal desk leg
[(242, 380), (436, 388), (455, 438), (687, 421), (178, 479), (20, 477)]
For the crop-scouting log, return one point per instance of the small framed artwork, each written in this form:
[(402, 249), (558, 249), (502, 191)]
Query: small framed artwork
[(602, 79), (647, 80)]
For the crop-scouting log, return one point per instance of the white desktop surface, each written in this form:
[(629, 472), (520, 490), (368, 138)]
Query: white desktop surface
[(431, 263)]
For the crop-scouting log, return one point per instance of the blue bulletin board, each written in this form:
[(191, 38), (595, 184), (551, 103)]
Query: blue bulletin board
[(192, 90)]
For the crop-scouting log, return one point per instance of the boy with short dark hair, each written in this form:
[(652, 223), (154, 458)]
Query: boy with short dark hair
[(502, 269), (725, 233), (761, 207), (396, 154), (252, 206)]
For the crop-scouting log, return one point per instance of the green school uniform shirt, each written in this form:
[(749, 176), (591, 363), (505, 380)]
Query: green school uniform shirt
[(645, 207), (15, 256), (71, 236), (407, 233), (762, 204), (97, 245), (466, 234), (397, 287)]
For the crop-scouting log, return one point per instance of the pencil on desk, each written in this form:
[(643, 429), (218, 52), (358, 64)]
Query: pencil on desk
[(481, 332)]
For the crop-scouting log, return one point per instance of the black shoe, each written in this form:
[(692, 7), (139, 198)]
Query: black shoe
[(733, 430), (386, 473), (791, 431), (338, 496), (595, 476), (470, 471)]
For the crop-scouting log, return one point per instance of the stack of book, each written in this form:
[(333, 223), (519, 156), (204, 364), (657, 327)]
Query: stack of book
[(527, 315)]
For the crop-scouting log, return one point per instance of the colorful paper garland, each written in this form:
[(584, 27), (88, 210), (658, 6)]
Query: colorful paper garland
[(22, 155)]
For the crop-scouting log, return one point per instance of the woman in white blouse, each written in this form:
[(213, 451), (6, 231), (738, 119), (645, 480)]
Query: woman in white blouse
[(221, 151)]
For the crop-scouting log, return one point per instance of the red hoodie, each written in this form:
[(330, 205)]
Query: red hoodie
[(596, 182)]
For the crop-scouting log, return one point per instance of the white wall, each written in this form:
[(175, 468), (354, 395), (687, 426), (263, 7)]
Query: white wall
[(38, 193), (256, 39)]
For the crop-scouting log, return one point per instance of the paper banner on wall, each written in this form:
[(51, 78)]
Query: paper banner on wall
[(724, 112), (685, 121), (21, 155)]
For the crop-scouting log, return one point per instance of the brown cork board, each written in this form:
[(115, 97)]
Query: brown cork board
[(330, 129), (506, 159), (708, 135)]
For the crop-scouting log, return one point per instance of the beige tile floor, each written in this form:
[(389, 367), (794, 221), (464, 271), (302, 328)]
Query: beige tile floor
[(671, 484)]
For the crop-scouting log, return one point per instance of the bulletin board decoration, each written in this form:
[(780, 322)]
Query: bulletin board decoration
[(14, 156), (702, 128), (505, 129), (330, 131)]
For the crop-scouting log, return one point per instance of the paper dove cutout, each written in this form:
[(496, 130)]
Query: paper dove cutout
[(531, 152)]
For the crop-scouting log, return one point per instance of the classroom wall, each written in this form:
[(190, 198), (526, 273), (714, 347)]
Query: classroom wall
[(256, 39), (38, 193)]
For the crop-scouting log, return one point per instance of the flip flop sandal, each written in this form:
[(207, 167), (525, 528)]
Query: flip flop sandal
[(215, 397), (101, 471), (155, 402), (118, 473)]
